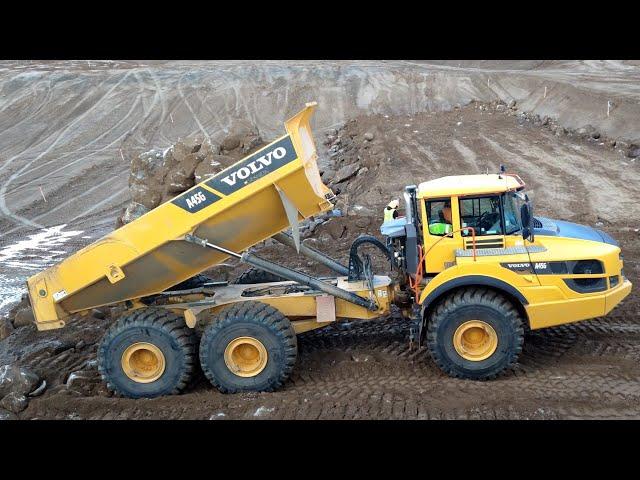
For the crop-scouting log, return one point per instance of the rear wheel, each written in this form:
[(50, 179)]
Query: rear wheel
[(148, 353), (475, 333), (250, 346)]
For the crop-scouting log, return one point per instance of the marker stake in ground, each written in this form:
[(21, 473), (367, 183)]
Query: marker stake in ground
[(42, 193)]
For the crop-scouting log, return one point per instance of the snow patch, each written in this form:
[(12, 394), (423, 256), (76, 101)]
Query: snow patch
[(11, 291), (262, 411), (31, 255), (38, 250)]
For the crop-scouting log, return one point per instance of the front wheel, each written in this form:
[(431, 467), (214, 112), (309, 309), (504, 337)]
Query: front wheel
[(475, 333)]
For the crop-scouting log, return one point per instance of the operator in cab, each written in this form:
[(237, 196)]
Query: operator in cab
[(442, 225)]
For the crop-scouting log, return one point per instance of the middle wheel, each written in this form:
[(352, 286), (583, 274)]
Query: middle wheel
[(250, 346)]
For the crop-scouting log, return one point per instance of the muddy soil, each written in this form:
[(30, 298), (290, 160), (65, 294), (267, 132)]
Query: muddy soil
[(366, 371)]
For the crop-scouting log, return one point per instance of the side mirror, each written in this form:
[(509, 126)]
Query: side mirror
[(525, 216)]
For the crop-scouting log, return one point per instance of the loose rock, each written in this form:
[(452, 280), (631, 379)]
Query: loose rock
[(24, 317), (633, 152), (346, 173), (15, 379), (6, 328), (14, 402)]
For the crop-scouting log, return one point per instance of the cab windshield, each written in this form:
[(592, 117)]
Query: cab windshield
[(512, 202)]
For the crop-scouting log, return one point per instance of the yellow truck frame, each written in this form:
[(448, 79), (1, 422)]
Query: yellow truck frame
[(469, 293)]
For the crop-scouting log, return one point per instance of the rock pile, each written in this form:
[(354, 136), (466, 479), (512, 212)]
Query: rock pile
[(159, 175), (354, 151)]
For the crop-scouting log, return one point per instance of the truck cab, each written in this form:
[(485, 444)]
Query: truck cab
[(484, 208), (481, 269), (479, 230)]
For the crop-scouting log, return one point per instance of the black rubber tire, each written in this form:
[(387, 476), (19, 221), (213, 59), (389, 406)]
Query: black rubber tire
[(255, 275), (257, 320), (165, 330), (196, 281), (475, 304)]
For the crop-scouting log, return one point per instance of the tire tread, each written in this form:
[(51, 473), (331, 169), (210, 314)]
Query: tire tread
[(163, 320), (257, 312), (485, 297)]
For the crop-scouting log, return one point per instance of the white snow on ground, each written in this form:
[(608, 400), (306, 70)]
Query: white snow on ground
[(10, 291), (27, 257), (262, 411), (37, 251)]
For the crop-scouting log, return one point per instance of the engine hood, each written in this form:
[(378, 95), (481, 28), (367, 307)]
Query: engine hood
[(560, 228)]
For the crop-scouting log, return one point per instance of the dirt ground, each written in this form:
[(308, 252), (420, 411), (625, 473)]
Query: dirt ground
[(364, 370), (351, 370)]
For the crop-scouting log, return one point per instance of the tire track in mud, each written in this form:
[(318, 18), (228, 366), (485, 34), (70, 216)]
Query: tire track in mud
[(138, 98), (31, 115), (3, 206), (365, 371), (84, 147), (599, 178), (600, 186), (95, 201), (34, 143), (122, 121), (188, 105), (550, 181), (102, 203)]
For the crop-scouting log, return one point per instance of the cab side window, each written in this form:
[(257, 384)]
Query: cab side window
[(481, 213), (439, 216)]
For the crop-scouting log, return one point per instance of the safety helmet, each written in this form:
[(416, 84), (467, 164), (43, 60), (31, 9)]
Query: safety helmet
[(393, 204)]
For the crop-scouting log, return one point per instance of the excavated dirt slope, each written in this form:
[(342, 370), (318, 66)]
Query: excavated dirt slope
[(350, 370)]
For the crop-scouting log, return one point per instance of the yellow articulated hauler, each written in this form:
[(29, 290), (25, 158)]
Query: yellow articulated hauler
[(471, 267)]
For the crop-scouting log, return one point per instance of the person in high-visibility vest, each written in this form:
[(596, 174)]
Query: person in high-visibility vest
[(444, 226), (391, 210)]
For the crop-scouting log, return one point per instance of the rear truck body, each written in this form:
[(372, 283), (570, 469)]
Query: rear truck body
[(237, 208), (468, 265)]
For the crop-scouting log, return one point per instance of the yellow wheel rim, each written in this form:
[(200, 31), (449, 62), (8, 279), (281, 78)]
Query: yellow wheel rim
[(143, 362), (246, 356), (475, 340)]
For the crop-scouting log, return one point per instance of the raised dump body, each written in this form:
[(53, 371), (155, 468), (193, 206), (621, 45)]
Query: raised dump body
[(241, 206)]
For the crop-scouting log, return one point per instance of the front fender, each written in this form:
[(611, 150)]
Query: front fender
[(455, 277)]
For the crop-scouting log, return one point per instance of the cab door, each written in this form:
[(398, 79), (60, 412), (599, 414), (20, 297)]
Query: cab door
[(439, 246), (484, 214)]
